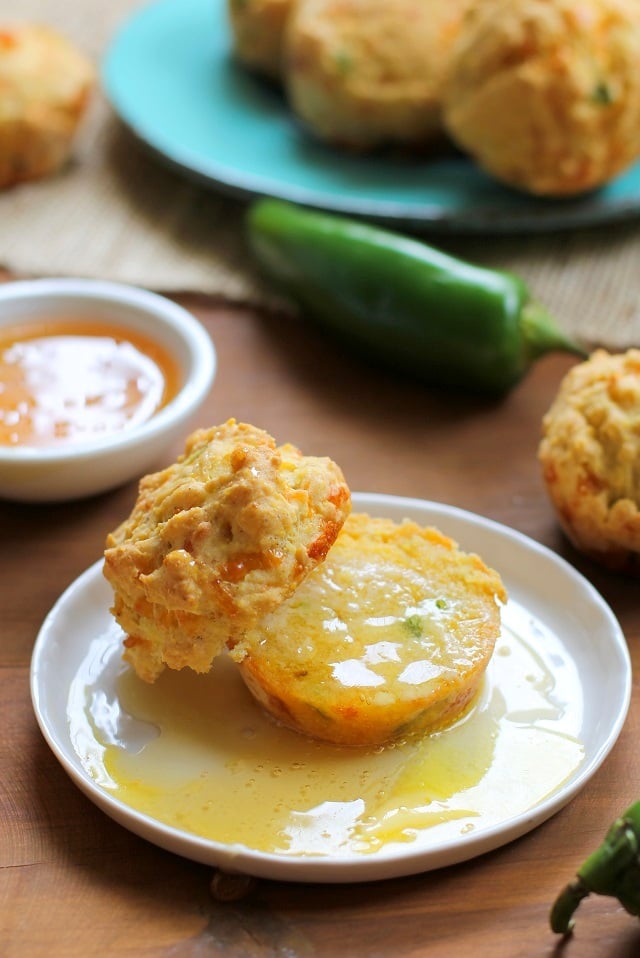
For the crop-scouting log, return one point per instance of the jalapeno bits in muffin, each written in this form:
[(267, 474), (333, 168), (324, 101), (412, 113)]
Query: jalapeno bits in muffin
[(390, 635)]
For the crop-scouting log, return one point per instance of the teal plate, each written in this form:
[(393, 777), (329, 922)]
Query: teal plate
[(170, 76)]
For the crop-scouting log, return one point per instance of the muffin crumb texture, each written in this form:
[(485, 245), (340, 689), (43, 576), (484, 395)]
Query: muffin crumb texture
[(545, 94), (389, 636), (590, 457), (216, 540), (366, 74)]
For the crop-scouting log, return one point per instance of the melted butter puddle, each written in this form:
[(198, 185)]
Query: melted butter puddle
[(197, 753)]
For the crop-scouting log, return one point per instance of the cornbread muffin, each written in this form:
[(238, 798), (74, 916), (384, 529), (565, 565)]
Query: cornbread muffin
[(217, 540), (45, 86), (365, 73), (392, 633), (590, 456), (258, 28), (545, 94)]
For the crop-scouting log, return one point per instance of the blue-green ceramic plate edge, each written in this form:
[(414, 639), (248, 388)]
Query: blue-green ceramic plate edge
[(170, 75)]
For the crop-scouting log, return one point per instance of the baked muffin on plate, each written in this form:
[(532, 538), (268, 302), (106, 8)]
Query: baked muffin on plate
[(390, 635), (366, 73), (216, 541), (590, 456), (258, 28), (545, 94), (45, 87)]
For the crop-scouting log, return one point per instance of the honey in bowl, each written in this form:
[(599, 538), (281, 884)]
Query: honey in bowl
[(65, 381)]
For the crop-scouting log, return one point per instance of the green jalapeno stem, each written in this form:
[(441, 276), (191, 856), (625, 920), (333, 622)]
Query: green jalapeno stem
[(613, 869), (397, 300)]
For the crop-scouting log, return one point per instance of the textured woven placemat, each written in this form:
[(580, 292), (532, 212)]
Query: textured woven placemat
[(118, 213)]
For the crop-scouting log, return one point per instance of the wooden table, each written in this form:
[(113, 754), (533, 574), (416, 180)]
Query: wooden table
[(75, 883)]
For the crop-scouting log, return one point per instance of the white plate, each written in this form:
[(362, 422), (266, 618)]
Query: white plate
[(552, 594)]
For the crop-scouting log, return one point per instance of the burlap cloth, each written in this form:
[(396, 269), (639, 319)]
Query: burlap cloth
[(118, 213)]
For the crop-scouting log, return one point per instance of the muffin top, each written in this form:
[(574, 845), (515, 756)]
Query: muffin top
[(590, 454), (45, 88), (224, 534), (545, 94), (366, 73)]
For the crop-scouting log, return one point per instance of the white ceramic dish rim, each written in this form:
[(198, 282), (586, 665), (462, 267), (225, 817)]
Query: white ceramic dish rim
[(43, 293), (561, 592)]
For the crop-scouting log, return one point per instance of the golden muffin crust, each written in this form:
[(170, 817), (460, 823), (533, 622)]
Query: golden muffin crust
[(45, 86), (590, 456), (258, 29), (365, 73), (215, 541), (545, 94), (391, 634)]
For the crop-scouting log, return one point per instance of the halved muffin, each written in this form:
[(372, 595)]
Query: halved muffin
[(391, 634), (217, 540)]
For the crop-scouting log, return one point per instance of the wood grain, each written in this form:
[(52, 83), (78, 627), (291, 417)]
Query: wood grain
[(72, 882)]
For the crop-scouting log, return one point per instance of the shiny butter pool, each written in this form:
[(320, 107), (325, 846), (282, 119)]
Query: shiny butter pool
[(195, 752)]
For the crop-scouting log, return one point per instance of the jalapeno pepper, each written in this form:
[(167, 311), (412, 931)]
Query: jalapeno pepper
[(396, 299), (613, 869)]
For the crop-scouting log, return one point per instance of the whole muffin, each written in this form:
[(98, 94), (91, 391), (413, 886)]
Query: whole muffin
[(45, 86), (391, 634), (258, 28), (590, 456), (366, 73), (545, 94), (215, 541)]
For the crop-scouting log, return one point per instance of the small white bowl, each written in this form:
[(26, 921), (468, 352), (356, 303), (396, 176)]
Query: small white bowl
[(50, 474)]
